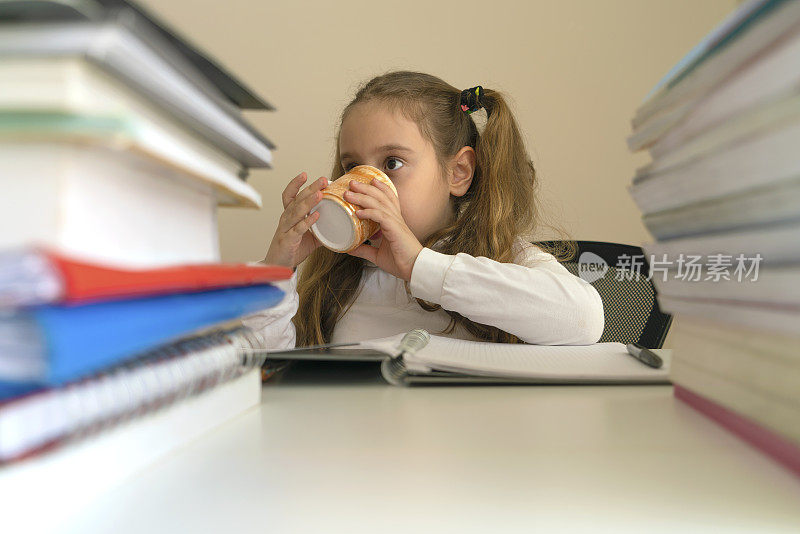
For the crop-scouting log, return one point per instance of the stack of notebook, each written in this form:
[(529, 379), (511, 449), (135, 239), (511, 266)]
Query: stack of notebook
[(722, 199), (118, 140)]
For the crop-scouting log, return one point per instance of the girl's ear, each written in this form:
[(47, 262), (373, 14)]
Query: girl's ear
[(462, 168)]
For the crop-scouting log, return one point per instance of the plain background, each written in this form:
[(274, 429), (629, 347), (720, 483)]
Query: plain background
[(575, 72)]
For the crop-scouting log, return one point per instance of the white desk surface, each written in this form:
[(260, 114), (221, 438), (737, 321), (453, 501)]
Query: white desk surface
[(349, 453)]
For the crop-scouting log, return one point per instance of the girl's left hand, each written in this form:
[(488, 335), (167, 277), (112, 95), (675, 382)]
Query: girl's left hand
[(399, 247)]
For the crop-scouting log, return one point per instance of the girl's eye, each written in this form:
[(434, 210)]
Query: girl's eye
[(388, 161), (348, 166)]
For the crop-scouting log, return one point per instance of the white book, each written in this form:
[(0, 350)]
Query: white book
[(753, 36), (196, 64), (766, 155), (769, 317), (777, 285), (762, 361), (721, 32), (766, 79), (70, 98), (736, 131), (777, 244), (765, 409), (759, 207), (158, 75), (104, 205)]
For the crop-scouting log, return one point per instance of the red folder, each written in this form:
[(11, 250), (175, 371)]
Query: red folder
[(80, 281)]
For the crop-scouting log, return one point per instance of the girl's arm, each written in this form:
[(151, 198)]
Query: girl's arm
[(537, 299), (274, 325)]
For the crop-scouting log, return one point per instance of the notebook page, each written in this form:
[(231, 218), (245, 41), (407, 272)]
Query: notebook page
[(601, 361)]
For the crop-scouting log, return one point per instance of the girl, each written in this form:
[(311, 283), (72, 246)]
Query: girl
[(450, 256)]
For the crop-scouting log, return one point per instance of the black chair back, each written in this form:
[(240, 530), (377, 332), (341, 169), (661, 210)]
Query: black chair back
[(629, 296)]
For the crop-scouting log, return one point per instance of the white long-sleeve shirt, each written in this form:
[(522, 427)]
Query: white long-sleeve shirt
[(535, 298)]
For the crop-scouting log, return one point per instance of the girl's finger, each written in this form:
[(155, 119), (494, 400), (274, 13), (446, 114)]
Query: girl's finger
[(303, 226), (385, 189), (372, 214), (371, 191), (361, 199), (304, 201), (297, 211), (291, 190), (394, 200), (300, 208), (317, 185)]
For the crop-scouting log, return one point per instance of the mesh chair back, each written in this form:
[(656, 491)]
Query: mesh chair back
[(631, 309)]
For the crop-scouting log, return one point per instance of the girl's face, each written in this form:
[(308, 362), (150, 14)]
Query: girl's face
[(373, 135)]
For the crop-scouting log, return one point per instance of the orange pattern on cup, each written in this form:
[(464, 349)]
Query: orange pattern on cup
[(360, 229)]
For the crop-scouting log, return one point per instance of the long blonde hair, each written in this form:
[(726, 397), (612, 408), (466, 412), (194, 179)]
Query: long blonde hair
[(500, 205)]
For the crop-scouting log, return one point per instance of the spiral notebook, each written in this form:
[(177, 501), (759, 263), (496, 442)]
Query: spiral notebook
[(448, 360), (49, 417)]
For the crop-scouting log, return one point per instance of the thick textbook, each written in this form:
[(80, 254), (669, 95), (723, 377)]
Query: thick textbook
[(39, 276), (767, 316), (754, 30), (776, 243), (53, 344), (137, 20), (777, 203), (140, 62), (445, 360), (147, 136), (761, 362), (777, 285), (103, 204)]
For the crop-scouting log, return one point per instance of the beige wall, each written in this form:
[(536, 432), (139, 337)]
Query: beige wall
[(575, 71)]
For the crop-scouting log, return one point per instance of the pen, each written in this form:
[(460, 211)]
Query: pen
[(644, 355)]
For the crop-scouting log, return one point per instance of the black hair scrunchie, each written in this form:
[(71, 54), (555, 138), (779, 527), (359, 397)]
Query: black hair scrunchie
[(472, 99)]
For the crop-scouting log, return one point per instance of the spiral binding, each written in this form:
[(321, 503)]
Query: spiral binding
[(155, 380), (394, 371)]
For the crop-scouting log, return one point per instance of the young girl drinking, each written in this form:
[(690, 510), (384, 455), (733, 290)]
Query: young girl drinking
[(450, 256)]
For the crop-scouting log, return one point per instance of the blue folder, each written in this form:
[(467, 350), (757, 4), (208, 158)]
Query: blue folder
[(80, 340)]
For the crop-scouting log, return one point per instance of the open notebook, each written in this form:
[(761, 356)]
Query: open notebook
[(448, 360)]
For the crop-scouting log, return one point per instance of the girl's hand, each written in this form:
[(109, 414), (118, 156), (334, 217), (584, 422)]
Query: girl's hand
[(399, 247), (293, 241)]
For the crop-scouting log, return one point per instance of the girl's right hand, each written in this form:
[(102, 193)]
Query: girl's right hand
[(293, 241)]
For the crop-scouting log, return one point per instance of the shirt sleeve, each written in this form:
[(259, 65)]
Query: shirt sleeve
[(537, 299), (274, 325)]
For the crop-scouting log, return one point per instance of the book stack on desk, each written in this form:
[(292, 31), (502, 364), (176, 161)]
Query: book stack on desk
[(118, 140), (722, 199)]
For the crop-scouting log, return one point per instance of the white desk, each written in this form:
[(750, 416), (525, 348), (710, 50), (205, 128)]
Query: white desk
[(349, 453)]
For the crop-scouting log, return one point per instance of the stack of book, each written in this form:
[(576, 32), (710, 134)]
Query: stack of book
[(721, 197), (118, 140)]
